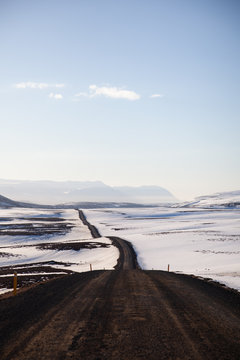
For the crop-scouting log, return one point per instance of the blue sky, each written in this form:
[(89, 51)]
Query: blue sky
[(77, 86)]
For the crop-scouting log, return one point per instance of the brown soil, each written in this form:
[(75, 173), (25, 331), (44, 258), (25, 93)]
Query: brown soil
[(28, 275), (35, 229), (34, 226), (76, 246)]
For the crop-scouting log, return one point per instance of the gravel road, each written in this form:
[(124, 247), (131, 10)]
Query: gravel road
[(122, 314)]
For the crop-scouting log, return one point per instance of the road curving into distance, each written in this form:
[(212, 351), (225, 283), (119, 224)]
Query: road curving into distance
[(122, 314), (93, 230), (127, 257)]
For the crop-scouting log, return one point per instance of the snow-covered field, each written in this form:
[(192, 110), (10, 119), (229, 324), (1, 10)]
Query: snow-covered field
[(55, 238), (224, 200), (201, 238), (204, 242)]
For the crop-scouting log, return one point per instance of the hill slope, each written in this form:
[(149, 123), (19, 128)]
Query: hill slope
[(230, 199), (5, 202)]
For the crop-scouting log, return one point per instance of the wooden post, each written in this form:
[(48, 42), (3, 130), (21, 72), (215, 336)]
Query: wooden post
[(168, 268), (90, 267), (15, 283)]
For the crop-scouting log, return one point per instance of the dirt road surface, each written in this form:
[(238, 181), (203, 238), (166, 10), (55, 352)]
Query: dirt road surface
[(122, 314), (93, 230)]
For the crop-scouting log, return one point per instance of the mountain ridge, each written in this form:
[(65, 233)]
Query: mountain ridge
[(55, 192)]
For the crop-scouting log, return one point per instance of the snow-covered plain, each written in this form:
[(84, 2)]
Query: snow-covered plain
[(24, 249), (204, 242), (198, 238)]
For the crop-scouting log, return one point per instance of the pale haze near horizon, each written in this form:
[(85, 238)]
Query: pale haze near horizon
[(129, 93)]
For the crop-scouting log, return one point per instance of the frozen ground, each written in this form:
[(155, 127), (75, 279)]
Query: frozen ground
[(50, 238), (204, 242)]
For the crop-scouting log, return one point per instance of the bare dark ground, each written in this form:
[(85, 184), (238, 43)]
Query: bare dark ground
[(41, 226), (76, 246), (35, 229), (28, 275), (34, 226), (43, 267)]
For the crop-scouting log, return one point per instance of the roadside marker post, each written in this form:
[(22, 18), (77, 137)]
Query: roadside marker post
[(15, 283), (168, 268), (90, 267)]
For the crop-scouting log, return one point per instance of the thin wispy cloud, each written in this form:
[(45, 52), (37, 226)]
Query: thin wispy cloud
[(109, 92), (156, 96), (36, 85), (93, 91), (55, 96), (82, 94)]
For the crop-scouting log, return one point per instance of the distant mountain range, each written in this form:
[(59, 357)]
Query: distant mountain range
[(65, 192), (215, 201), (8, 203)]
